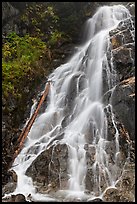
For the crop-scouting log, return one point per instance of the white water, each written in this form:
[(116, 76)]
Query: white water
[(83, 73)]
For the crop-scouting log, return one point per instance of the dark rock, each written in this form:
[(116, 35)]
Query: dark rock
[(12, 182), (9, 188), (131, 7), (12, 176), (92, 179), (90, 157), (90, 154), (123, 49), (95, 200), (15, 198), (123, 60), (50, 167), (120, 38), (89, 131), (20, 198), (20, 5), (111, 128), (71, 92), (8, 11), (123, 101)]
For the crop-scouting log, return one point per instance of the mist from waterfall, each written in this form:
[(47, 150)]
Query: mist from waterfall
[(76, 100)]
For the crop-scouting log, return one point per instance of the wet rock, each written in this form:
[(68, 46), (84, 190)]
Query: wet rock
[(131, 7), (20, 198), (89, 179), (123, 101), (71, 92), (12, 183), (93, 177), (121, 53), (111, 195), (123, 60), (110, 124), (123, 49), (90, 158), (8, 188), (50, 167), (95, 200), (121, 38), (117, 195), (127, 179), (15, 198), (89, 132), (13, 176), (125, 186), (90, 154), (122, 56)]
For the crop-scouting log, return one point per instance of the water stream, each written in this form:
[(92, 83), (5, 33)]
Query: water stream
[(76, 96)]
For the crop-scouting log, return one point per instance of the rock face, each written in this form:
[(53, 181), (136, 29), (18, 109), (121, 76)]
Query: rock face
[(123, 101), (123, 51), (8, 11), (122, 98), (9, 14), (50, 167), (10, 17), (49, 170)]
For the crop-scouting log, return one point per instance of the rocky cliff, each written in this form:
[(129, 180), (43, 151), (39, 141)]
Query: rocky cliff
[(23, 18), (50, 167), (123, 102)]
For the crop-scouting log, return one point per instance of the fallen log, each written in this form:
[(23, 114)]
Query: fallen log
[(27, 128)]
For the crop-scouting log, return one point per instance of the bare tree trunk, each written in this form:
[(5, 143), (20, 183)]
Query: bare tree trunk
[(27, 128)]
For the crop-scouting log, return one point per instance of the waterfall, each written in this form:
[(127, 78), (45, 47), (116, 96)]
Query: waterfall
[(76, 97)]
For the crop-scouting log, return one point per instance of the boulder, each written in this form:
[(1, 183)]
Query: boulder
[(11, 184), (117, 195), (20, 198), (95, 200)]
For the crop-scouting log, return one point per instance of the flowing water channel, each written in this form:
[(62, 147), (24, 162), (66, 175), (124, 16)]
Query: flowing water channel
[(75, 96)]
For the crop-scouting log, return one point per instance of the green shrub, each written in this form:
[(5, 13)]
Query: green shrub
[(19, 54), (40, 20)]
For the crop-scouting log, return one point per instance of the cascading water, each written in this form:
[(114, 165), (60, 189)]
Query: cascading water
[(75, 97)]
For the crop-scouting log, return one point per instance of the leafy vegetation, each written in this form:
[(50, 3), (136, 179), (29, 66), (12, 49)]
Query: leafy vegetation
[(40, 20), (23, 53), (19, 56)]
